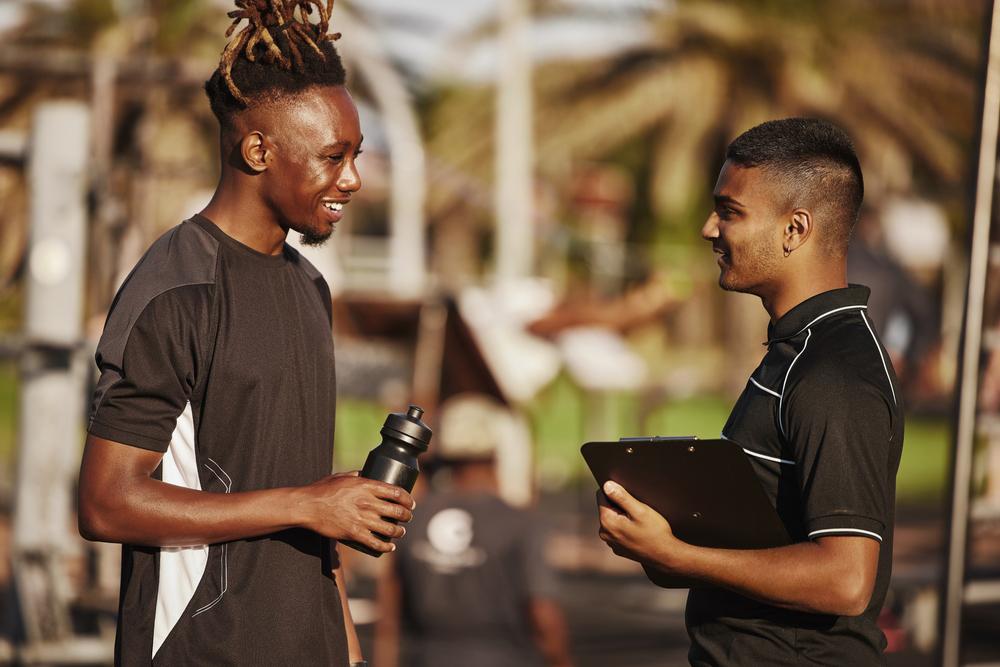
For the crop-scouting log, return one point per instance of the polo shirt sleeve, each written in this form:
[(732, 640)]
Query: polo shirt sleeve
[(148, 358), (839, 426)]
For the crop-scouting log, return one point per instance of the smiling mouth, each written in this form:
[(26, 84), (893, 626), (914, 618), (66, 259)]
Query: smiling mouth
[(333, 206)]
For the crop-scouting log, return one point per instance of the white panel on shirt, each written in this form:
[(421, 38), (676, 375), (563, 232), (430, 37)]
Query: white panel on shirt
[(181, 568)]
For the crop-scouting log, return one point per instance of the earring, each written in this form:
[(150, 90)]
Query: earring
[(787, 252)]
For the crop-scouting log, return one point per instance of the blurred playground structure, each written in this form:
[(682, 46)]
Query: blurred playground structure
[(535, 178)]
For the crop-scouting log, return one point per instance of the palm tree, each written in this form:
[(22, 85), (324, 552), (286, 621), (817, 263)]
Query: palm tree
[(900, 77)]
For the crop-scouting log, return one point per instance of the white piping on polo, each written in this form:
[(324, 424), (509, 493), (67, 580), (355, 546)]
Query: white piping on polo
[(881, 356), (787, 373), (760, 456), (845, 530), (765, 389), (769, 458), (828, 313)]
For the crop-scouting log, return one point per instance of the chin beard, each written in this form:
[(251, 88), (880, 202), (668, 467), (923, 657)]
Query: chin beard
[(314, 240)]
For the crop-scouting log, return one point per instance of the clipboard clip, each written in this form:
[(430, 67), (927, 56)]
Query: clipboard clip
[(658, 438)]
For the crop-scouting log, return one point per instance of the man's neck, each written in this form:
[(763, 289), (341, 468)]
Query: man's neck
[(243, 216), (794, 292)]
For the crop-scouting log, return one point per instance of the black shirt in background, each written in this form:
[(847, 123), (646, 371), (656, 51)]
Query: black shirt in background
[(468, 568)]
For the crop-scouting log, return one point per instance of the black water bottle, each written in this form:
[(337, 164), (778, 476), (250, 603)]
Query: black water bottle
[(394, 461)]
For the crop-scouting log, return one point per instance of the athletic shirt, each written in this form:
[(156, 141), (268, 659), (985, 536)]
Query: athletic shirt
[(468, 569), (821, 422), (221, 358)]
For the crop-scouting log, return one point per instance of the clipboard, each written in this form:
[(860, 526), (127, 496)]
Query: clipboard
[(706, 489)]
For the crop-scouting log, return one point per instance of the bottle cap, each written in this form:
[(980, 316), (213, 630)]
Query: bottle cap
[(408, 427)]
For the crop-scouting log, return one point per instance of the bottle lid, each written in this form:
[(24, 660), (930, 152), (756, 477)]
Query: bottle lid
[(408, 427)]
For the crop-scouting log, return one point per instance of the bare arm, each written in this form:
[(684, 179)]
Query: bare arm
[(120, 502), (551, 634), (353, 643), (830, 575), (389, 598)]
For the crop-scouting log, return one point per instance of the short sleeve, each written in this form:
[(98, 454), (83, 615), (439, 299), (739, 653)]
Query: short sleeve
[(148, 357), (840, 428), (540, 579)]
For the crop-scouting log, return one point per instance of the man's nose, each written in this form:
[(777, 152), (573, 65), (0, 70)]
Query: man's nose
[(350, 179), (710, 230)]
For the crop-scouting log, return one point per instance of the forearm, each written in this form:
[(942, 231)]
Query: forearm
[(551, 633), (387, 626), (153, 513), (803, 577), (353, 643)]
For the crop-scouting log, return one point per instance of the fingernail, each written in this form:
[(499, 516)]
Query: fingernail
[(611, 488), (404, 532), (393, 547), (413, 506)]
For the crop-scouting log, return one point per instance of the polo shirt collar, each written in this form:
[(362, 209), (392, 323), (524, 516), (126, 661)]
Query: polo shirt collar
[(815, 308)]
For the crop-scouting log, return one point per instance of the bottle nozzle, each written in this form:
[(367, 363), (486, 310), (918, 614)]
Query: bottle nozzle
[(415, 412)]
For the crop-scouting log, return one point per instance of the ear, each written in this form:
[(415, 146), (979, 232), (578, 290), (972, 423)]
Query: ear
[(797, 230), (254, 150)]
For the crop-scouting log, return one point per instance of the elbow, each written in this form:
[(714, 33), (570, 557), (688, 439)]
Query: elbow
[(92, 521), (851, 595), (90, 526)]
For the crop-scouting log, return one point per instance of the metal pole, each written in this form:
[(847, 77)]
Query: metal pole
[(407, 266), (514, 193), (969, 378), (52, 374)]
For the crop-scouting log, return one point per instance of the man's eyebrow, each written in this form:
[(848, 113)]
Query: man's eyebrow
[(340, 145), (725, 199)]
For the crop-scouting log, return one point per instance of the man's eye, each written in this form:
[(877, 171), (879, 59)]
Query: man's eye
[(336, 158), (358, 152)]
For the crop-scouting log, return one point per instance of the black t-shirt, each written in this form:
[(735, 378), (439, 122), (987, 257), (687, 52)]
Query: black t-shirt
[(821, 421), (221, 357), (468, 568)]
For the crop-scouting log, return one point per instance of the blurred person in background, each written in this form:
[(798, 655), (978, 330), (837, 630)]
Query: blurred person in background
[(470, 584), (900, 308), (820, 420), (211, 433)]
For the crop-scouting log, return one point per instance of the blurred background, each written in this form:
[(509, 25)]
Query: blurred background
[(535, 174)]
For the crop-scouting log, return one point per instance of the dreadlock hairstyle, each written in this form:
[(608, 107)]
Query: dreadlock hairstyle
[(280, 51)]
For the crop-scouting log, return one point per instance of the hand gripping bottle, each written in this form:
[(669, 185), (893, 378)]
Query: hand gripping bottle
[(394, 461)]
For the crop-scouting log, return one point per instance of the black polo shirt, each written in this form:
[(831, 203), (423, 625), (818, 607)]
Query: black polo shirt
[(822, 424)]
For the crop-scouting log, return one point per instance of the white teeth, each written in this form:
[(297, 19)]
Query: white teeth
[(333, 206)]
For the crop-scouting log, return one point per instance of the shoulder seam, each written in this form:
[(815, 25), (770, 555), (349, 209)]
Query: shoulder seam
[(784, 383), (881, 356)]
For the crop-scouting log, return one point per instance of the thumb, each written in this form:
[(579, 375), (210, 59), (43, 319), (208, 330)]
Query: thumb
[(617, 493)]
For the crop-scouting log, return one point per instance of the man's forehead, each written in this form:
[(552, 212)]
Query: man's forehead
[(326, 114), (743, 184)]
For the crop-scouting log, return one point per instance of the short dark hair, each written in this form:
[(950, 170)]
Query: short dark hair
[(277, 54), (817, 163)]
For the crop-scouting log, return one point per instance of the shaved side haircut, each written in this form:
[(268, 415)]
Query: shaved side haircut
[(815, 164)]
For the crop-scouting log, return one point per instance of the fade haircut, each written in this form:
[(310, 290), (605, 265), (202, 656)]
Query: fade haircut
[(279, 53), (815, 163)]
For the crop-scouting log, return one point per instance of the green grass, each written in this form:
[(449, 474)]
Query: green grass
[(8, 415), (562, 418)]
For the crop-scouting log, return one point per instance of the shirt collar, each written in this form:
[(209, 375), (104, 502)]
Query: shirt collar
[(814, 309)]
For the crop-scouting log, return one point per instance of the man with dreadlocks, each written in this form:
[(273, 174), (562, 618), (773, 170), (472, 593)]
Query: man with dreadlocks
[(211, 432)]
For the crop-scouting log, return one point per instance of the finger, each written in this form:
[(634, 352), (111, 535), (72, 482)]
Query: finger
[(379, 545), (394, 493), (393, 511), (602, 499), (610, 518), (390, 530), (617, 494)]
